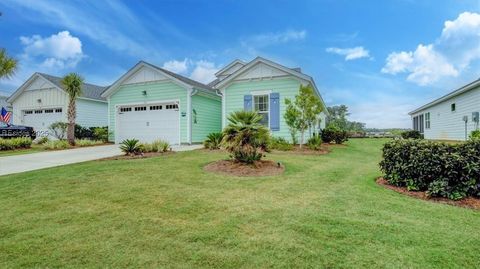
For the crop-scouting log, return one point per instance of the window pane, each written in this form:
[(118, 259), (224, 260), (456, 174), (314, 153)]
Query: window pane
[(264, 120)]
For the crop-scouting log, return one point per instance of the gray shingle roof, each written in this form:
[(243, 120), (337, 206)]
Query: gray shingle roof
[(88, 90), (186, 80)]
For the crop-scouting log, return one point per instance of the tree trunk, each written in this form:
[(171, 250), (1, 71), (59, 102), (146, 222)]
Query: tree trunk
[(71, 122), (302, 138)]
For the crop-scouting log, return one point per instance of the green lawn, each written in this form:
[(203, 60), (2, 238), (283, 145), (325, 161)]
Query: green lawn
[(33, 149), (325, 211)]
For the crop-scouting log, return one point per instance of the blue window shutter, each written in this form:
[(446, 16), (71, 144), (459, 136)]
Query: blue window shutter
[(275, 111), (247, 102)]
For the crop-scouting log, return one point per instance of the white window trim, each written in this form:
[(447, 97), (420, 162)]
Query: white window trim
[(260, 93)]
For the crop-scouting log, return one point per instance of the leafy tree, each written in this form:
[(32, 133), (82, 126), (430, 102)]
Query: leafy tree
[(245, 137), (303, 112), (8, 65), (72, 84), (338, 118)]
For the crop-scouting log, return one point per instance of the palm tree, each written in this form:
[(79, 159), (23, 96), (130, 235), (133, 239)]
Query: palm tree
[(72, 84), (8, 65), (244, 137)]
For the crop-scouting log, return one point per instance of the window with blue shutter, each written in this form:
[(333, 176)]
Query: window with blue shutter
[(275, 111), (247, 102)]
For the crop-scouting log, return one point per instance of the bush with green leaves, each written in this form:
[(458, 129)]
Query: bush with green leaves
[(411, 134), (315, 142), (100, 133), (15, 143), (213, 141), (334, 134), (245, 138), (131, 147), (280, 143), (475, 135), (56, 144), (440, 169), (87, 142), (156, 146), (41, 140), (58, 130)]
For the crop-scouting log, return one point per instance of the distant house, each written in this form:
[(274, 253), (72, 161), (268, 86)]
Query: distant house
[(41, 101), (450, 117)]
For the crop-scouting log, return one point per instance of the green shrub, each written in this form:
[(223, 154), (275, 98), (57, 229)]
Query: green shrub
[(131, 147), (333, 133), (87, 142), (41, 140), (280, 143), (156, 146), (315, 142), (411, 134), (100, 133), (475, 135), (58, 129), (213, 141), (15, 143), (244, 137), (56, 144), (440, 169)]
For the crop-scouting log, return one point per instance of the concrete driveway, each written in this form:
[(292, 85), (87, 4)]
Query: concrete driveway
[(35, 161)]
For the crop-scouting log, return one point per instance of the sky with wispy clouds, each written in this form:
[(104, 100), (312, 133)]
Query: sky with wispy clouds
[(380, 58)]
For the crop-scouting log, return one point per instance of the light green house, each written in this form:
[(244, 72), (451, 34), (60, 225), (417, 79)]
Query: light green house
[(149, 103), (263, 86)]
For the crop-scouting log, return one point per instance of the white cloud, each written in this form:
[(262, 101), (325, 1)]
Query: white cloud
[(451, 54), (268, 39), (176, 66), (58, 50), (204, 71), (350, 53)]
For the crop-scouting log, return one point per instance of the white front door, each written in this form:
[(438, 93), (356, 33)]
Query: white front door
[(41, 119), (148, 122)]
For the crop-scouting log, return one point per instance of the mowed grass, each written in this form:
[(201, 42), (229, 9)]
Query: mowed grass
[(325, 211)]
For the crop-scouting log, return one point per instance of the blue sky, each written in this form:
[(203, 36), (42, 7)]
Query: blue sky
[(380, 58)]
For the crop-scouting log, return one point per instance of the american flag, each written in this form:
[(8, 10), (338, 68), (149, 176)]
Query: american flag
[(5, 116)]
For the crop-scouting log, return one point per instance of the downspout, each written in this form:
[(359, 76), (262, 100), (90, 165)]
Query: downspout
[(189, 114), (219, 93)]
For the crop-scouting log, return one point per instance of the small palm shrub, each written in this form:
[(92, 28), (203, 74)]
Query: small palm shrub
[(213, 141), (244, 137), (131, 147), (315, 142), (475, 135), (15, 143), (56, 144), (280, 143), (411, 134)]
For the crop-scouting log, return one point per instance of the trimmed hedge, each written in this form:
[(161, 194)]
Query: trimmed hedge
[(440, 169), (333, 133), (15, 143), (411, 134)]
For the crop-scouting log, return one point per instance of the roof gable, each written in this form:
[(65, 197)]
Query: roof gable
[(144, 74), (230, 68), (261, 70)]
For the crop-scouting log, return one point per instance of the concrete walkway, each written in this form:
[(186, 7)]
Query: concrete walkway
[(35, 161)]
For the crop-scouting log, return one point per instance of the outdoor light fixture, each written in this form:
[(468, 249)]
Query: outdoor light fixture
[(39, 100), (144, 93)]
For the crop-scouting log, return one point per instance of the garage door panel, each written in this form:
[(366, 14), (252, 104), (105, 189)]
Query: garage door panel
[(41, 119), (149, 123)]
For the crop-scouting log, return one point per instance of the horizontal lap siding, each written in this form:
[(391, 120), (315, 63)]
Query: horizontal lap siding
[(162, 90), (209, 117), (91, 113), (49, 98), (286, 87), (448, 125)]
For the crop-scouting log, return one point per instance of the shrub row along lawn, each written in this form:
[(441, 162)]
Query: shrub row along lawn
[(324, 211)]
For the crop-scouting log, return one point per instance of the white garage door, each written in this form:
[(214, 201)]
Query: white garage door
[(149, 122), (41, 119)]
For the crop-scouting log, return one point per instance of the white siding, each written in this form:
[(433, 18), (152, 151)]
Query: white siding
[(40, 94), (92, 113), (448, 125)]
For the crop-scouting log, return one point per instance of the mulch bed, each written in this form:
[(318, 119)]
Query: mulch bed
[(140, 156), (257, 169), (469, 202)]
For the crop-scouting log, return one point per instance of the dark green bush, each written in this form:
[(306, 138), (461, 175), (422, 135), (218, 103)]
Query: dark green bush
[(213, 141), (333, 133), (315, 142), (411, 134), (92, 133), (440, 169), (475, 134), (280, 143)]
